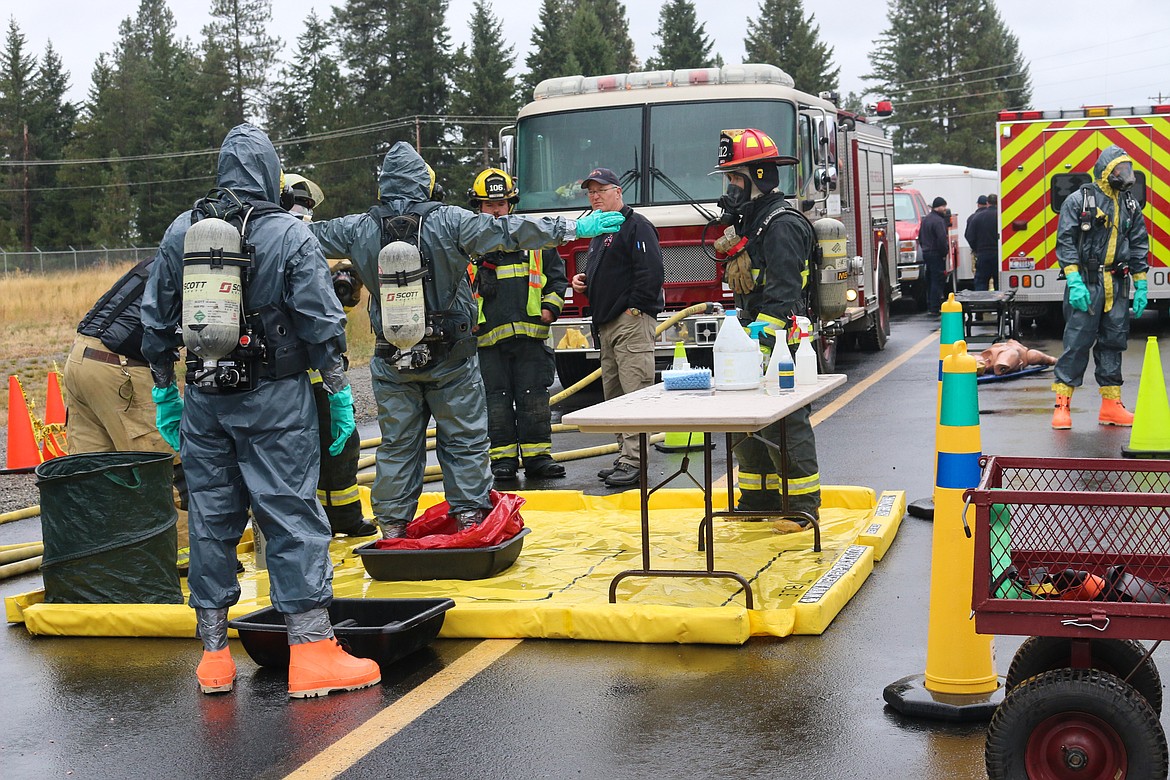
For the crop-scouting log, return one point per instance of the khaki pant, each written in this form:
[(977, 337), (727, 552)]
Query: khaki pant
[(627, 364)]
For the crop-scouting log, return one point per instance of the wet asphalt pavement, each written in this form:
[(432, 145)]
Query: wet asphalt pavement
[(798, 707)]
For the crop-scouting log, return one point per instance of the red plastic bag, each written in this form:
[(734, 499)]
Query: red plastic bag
[(435, 529)]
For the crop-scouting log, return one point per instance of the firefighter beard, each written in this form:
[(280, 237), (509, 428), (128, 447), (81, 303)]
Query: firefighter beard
[(780, 256)]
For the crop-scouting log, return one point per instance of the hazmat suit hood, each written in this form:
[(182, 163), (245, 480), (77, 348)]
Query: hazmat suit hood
[(249, 165), (1107, 164), (404, 176)]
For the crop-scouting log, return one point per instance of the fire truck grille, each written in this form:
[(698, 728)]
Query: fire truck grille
[(680, 264)]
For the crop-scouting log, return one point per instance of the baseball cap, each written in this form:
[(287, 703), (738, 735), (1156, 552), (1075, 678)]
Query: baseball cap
[(601, 176), (981, 200), (939, 201)]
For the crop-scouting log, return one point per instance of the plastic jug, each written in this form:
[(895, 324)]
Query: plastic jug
[(736, 357), (806, 357), (781, 373)]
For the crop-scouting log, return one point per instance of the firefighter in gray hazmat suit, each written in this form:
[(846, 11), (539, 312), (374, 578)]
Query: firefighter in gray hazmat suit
[(1101, 245), (439, 376), (248, 430)]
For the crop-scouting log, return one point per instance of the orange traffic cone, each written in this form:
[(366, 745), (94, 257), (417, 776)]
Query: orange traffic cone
[(54, 402), (23, 455), (51, 447), (1150, 435)]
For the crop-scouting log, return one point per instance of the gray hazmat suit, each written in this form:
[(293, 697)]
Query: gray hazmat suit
[(1108, 255), (450, 388), (256, 447)]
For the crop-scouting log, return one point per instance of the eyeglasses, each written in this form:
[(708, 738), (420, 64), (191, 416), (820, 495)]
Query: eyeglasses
[(600, 190)]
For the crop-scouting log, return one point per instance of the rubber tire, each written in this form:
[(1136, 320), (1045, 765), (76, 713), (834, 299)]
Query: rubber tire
[(572, 367), (874, 339), (1119, 657), (1075, 706)]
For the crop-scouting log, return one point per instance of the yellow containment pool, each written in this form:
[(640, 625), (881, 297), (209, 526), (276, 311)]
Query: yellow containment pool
[(559, 587)]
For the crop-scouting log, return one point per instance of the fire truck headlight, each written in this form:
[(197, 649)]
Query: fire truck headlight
[(851, 295)]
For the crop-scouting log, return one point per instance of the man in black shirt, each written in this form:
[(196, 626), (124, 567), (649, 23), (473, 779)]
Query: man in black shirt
[(623, 281), (935, 242)]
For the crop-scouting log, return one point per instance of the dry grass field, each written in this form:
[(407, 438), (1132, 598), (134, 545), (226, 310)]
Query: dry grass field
[(40, 316)]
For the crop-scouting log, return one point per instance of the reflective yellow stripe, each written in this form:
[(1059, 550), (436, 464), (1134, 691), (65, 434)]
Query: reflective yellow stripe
[(506, 451), (531, 450), (342, 497), (555, 300), (800, 486), (750, 481), (511, 271), (510, 329), (315, 376), (1107, 281), (536, 280), (773, 482)]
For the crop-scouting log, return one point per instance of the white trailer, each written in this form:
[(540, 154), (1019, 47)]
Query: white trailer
[(960, 186)]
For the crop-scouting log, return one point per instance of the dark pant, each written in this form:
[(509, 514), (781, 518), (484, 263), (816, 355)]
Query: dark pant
[(985, 267), (337, 487), (517, 373), (936, 278)]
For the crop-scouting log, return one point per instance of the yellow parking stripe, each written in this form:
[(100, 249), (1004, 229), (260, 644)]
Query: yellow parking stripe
[(347, 751)]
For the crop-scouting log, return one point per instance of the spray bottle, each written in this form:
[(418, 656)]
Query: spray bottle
[(754, 331), (806, 357), (737, 357), (781, 375)]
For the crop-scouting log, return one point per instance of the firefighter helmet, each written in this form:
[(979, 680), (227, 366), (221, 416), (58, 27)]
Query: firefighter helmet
[(740, 148), (492, 184), (299, 190)]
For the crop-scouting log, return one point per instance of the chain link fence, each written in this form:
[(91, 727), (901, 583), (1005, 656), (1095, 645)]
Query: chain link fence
[(39, 262)]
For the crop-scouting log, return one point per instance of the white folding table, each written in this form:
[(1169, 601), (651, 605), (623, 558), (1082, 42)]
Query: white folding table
[(653, 409)]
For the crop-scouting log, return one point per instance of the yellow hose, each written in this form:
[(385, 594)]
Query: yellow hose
[(17, 546), (20, 554), (20, 567), (20, 514)]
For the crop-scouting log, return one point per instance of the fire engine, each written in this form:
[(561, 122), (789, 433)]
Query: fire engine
[(1045, 156), (659, 131)]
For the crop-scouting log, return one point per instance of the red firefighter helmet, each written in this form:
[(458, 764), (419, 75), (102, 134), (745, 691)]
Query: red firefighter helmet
[(739, 148)]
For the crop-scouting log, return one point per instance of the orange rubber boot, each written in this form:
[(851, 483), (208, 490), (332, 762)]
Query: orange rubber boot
[(216, 672), (1062, 416), (1114, 413), (320, 668)]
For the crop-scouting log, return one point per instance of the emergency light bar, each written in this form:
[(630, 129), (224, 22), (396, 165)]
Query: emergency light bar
[(750, 73), (1084, 112)]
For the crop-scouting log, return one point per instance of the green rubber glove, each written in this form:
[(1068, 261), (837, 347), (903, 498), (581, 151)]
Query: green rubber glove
[(341, 422), (1140, 298), (1078, 293), (597, 222), (168, 413)]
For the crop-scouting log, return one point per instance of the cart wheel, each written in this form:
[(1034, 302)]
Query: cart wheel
[(1122, 657), (1075, 724)]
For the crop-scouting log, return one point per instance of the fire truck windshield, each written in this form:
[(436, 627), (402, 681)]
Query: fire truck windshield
[(556, 150)]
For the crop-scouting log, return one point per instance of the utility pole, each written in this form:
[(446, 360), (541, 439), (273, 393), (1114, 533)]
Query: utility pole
[(27, 197), (1157, 100)]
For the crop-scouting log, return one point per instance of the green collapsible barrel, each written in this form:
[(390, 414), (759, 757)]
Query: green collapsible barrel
[(108, 522)]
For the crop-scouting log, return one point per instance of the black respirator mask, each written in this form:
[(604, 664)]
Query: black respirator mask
[(732, 202), (1121, 177)]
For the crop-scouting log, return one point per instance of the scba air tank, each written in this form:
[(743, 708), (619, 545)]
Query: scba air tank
[(400, 283), (212, 292), (833, 270)]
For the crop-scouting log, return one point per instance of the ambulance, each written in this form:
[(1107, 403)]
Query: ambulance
[(1045, 156)]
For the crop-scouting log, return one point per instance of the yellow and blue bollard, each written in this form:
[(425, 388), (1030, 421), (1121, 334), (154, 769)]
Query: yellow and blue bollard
[(960, 682)]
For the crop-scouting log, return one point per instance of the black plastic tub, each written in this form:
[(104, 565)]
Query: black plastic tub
[(385, 630), (476, 563)]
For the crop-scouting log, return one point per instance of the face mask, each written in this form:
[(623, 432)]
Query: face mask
[(1121, 178), (735, 198), (304, 213)]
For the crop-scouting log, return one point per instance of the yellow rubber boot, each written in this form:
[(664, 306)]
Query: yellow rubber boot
[(1062, 416), (320, 668), (1112, 411), (216, 672)]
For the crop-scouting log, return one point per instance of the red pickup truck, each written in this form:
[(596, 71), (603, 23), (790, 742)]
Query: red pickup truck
[(909, 209)]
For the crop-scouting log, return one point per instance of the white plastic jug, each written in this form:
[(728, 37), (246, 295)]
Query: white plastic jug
[(737, 357)]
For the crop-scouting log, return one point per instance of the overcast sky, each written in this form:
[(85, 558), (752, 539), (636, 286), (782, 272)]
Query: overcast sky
[(1079, 52)]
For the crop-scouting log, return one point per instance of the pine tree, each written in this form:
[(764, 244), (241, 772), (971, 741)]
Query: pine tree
[(241, 45), (616, 27), (483, 87), (18, 72), (949, 66), (783, 36), (552, 52), (683, 42), (592, 49), (53, 119)]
